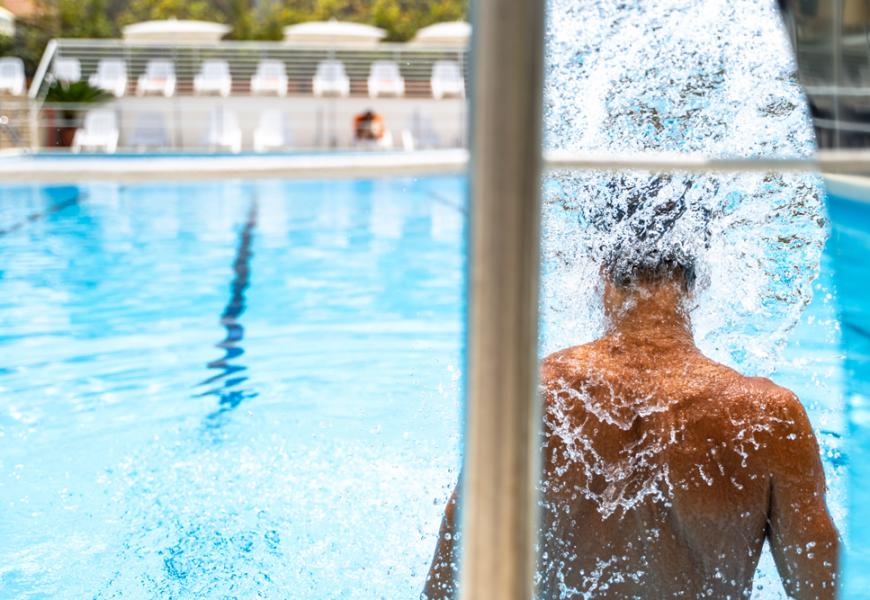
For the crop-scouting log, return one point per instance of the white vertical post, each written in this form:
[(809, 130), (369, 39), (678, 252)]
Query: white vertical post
[(499, 503), (837, 67)]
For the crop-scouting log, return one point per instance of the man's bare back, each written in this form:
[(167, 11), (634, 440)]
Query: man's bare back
[(664, 472)]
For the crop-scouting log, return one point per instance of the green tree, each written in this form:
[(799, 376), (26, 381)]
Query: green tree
[(84, 19), (148, 10), (240, 15), (265, 21), (447, 10), (388, 15), (7, 45), (272, 19)]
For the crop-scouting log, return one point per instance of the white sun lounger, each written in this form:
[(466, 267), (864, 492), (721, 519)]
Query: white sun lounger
[(67, 70), (159, 78), (150, 132), (270, 78), (271, 132), (385, 79), (330, 79), (447, 80), (223, 131), (213, 78), (12, 75), (421, 133), (100, 131), (111, 76)]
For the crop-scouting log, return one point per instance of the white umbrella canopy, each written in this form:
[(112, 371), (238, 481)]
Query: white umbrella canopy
[(452, 33), (7, 22), (175, 30), (333, 32)]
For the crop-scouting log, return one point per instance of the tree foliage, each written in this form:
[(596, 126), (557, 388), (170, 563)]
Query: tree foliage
[(249, 19), (266, 20)]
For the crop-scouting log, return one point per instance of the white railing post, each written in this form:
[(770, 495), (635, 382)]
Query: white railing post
[(42, 70), (501, 467), (34, 94)]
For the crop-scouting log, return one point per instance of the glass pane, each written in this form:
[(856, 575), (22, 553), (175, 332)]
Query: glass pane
[(833, 56), (692, 374)]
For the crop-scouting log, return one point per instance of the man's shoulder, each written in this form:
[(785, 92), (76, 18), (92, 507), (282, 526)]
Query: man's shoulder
[(717, 381), (567, 363), (782, 407), (776, 408), (783, 429), (763, 394)]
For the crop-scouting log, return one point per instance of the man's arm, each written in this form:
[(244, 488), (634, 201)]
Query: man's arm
[(441, 581), (802, 536)]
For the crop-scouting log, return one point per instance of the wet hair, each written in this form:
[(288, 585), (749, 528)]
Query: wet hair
[(666, 269), (647, 240)]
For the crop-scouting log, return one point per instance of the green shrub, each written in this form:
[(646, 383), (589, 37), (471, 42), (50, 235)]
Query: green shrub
[(78, 93)]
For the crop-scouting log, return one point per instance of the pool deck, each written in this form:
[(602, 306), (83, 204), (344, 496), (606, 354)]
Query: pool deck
[(849, 186), (23, 167), (154, 168)]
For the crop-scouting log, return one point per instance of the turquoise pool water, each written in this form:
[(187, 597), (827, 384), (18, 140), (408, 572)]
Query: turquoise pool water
[(252, 389), (850, 245), (227, 390)]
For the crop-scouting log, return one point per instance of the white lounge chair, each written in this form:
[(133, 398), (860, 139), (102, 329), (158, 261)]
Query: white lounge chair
[(213, 78), (12, 75), (111, 76), (385, 79), (330, 79), (447, 80), (271, 132), (270, 78), (150, 131), (224, 131), (159, 78), (67, 70), (100, 131), (421, 133)]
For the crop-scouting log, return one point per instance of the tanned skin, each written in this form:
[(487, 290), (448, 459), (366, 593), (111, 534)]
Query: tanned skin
[(665, 472)]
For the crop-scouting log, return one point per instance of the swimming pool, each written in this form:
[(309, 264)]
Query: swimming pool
[(849, 209), (228, 389), (252, 389)]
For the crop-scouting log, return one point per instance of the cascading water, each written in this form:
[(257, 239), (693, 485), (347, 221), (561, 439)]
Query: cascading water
[(713, 77), (716, 78)]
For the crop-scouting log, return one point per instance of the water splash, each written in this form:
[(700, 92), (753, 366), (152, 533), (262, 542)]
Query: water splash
[(680, 76), (713, 77)]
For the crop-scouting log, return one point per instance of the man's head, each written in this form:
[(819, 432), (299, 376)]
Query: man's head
[(652, 234), (644, 271)]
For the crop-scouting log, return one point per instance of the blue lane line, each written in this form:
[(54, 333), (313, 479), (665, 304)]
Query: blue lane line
[(230, 392)]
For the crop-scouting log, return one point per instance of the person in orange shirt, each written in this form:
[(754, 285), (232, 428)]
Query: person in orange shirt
[(368, 126)]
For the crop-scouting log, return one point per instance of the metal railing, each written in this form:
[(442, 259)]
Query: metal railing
[(181, 121), (385, 164), (300, 61)]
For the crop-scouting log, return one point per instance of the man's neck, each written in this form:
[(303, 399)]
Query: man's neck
[(652, 313)]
